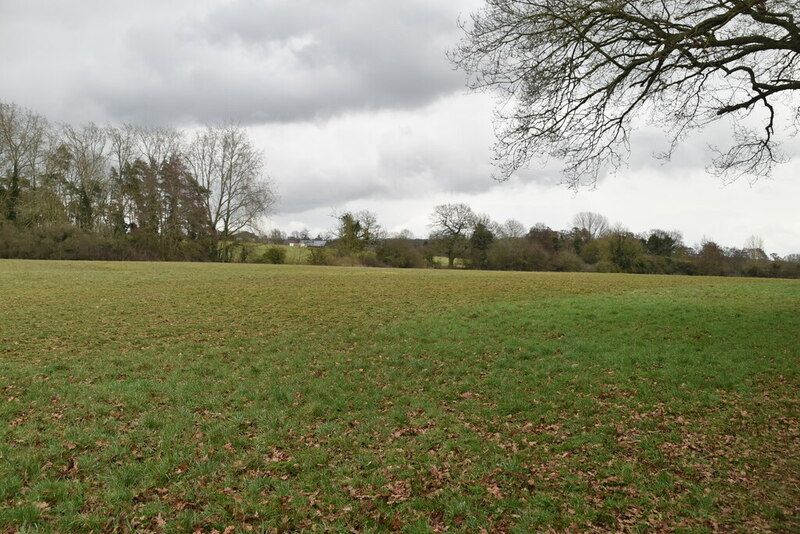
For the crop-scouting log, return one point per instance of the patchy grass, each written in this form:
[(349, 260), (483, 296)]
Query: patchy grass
[(177, 397)]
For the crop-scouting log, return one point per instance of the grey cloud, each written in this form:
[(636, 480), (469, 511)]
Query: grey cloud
[(396, 175), (441, 148), (277, 61)]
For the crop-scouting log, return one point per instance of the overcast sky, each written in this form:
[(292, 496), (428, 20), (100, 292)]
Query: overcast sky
[(355, 107)]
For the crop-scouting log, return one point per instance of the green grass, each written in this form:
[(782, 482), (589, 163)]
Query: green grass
[(176, 397)]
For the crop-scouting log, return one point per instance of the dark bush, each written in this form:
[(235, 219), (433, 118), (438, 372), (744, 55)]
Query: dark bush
[(318, 256), (568, 261), (275, 255), (515, 254), (368, 259), (399, 253)]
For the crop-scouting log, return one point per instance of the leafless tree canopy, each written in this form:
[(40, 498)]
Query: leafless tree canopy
[(452, 219), (451, 224), (593, 223), (127, 191), (230, 170), (512, 228), (577, 72), (87, 172), (22, 141)]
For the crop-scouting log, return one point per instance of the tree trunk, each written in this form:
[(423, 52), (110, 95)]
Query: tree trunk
[(13, 194)]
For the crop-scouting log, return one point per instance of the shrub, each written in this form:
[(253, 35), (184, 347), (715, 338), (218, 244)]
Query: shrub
[(568, 261), (318, 256), (369, 259), (275, 255), (516, 254), (624, 250), (590, 252), (399, 253), (605, 266), (365, 258), (244, 253)]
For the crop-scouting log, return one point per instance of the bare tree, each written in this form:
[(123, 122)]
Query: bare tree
[(231, 172), (86, 176), (299, 235), (512, 228), (157, 146), (451, 224), (122, 145), (122, 154), (577, 72), (405, 233), (23, 136), (594, 223), (370, 227), (276, 236), (754, 248)]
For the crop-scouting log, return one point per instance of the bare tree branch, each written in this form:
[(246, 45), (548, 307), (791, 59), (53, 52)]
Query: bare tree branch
[(576, 73), (231, 172)]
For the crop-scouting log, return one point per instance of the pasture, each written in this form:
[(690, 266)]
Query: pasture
[(155, 397)]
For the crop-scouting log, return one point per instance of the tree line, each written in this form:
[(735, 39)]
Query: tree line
[(125, 192), (136, 193), (460, 238)]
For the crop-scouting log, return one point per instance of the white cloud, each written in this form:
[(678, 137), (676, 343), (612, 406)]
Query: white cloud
[(387, 154), (400, 164)]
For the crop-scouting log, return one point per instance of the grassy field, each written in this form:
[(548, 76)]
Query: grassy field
[(273, 398)]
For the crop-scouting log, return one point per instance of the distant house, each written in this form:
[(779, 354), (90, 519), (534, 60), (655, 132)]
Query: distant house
[(309, 243)]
